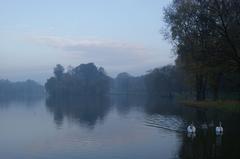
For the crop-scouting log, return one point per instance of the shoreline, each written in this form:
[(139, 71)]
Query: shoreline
[(225, 105)]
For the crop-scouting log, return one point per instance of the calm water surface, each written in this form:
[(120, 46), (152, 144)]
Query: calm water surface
[(118, 127)]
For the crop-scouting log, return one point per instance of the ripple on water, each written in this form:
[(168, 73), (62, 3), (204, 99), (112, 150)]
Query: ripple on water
[(171, 123)]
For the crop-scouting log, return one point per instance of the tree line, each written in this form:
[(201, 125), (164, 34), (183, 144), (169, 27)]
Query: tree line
[(173, 80), (206, 37), (85, 79), (126, 83), (166, 81), (28, 88)]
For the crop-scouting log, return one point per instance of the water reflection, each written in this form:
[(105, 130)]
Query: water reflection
[(125, 102), (122, 125), (87, 110), (169, 115), (208, 143), (166, 106), (21, 101), (201, 147)]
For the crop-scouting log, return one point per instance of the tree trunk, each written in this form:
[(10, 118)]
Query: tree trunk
[(216, 86), (201, 84)]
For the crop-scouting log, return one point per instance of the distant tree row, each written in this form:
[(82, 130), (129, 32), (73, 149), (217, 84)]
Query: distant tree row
[(171, 80), (27, 88), (206, 37), (85, 79), (126, 83), (166, 81)]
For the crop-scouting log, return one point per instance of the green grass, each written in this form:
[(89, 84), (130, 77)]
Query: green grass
[(226, 105)]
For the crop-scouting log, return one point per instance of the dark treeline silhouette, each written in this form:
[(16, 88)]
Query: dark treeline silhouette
[(166, 81), (85, 79), (206, 36), (29, 88), (126, 83), (173, 80)]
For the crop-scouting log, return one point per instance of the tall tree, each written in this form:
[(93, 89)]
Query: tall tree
[(203, 34)]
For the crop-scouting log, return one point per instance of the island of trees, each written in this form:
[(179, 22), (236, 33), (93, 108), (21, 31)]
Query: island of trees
[(85, 79)]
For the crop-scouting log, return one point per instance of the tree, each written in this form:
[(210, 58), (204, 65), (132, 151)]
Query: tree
[(165, 81), (85, 79), (58, 71), (206, 35)]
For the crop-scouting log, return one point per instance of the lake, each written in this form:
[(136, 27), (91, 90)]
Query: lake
[(115, 127)]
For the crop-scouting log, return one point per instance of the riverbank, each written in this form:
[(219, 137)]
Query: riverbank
[(226, 105)]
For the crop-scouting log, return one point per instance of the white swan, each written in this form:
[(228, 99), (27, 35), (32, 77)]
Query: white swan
[(191, 129), (219, 129)]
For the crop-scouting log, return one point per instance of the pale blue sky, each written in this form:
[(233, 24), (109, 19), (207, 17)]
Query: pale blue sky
[(120, 35)]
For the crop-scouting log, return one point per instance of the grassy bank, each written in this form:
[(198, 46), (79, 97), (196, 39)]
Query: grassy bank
[(226, 105)]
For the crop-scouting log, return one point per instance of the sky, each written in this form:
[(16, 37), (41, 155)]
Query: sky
[(119, 35)]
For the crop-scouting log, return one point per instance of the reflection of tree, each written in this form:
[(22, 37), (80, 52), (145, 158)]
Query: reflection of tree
[(24, 89), (208, 144), (28, 101), (201, 147), (124, 102), (86, 110), (164, 105)]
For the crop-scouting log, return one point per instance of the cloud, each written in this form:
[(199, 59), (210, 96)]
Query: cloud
[(115, 56), (88, 45)]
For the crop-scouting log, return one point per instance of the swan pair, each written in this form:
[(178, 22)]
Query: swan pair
[(219, 129), (191, 128)]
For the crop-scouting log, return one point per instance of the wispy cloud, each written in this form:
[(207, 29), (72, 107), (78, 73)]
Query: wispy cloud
[(88, 44), (114, 55)]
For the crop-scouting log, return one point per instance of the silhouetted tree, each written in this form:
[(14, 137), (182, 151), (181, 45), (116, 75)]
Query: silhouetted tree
[(205, 34), (84, 79), (165, 81)]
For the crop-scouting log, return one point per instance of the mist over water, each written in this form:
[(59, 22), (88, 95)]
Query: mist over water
[(120, 79), (117, 126)]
